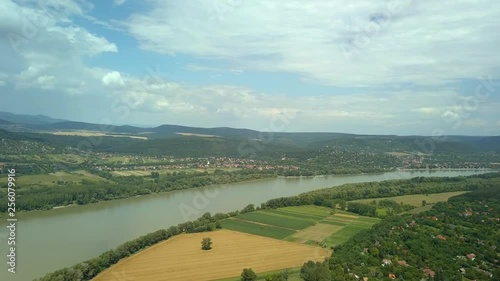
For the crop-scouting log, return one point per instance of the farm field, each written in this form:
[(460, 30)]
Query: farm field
[(95, 134), (52, 178), (302, 224), (232, 251), (257, 229), (416, 200)]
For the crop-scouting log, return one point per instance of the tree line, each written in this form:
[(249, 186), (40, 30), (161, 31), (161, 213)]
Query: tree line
[(46, 197)]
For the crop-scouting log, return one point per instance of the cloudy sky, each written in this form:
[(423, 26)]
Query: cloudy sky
[(378, 67)]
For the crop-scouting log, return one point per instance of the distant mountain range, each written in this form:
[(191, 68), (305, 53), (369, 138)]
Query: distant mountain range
[(227, 140), (27, 119)]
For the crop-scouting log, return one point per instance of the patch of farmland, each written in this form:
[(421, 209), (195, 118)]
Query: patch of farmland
[(288, 222), (52, 178), (285, 214), (344, 234), (309, 210), (181, 258), (257, 229), (416, 200), (318, 232)]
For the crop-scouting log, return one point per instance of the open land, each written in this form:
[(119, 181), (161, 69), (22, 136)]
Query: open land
[(416, 200), (232, 251), (302, 224)]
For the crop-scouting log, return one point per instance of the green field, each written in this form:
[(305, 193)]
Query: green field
[(252, 228), (276, 220), (416, 200), (53, 178), (300, 224), (309, 210)]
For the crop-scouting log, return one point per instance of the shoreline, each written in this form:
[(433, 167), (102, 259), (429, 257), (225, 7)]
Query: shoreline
[(4, 214)]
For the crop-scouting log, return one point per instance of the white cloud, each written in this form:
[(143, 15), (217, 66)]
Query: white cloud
[(424, 42), (113, 78), (118, 2), (476, 122), (449, 115), (433, 111), (44, 50), (196, 68)]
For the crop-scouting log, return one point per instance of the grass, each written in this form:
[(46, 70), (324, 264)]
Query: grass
[(302, 224), (295, 215), (276, 220), (181, 258), (253, 228), (344, 234), (416, 200), (315, 234), (52, 178), (309, 210)]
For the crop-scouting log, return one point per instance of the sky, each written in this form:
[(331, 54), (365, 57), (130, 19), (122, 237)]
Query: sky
[(402, 67)]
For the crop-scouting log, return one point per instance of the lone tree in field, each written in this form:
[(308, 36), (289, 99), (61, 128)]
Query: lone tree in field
[(206, 244), (248, 275)]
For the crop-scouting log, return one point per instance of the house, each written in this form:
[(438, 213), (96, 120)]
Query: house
[(386, 262), (429, 272), (402, 263), (441, 237), (392, 276), (434, 218), (471, 256), (365, 278), (468, 213)]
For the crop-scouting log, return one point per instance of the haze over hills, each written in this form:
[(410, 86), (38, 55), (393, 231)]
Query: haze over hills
[(223, 141), (27, 119)]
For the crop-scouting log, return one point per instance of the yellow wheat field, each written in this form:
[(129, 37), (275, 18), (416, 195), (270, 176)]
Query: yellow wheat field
[(181, 258)]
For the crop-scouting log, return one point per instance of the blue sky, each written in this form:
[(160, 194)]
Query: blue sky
[(376, 67)]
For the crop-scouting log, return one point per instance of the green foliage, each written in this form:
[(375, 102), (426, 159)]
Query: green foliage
[(46, 197), (206, 244), (419, 185), (282, 276), (248, 275), (315, 271), (465, 224)]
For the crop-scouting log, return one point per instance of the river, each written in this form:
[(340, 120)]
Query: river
[(51, 240)]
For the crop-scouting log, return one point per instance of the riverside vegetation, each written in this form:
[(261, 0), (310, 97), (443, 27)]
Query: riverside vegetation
[(468, 223)]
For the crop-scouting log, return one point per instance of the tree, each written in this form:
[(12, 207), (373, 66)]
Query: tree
[(248, 275), (206, 244), (315, 271), (424, 203)]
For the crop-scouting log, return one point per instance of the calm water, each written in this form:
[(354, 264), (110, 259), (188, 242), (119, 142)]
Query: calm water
[(50, 240)]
